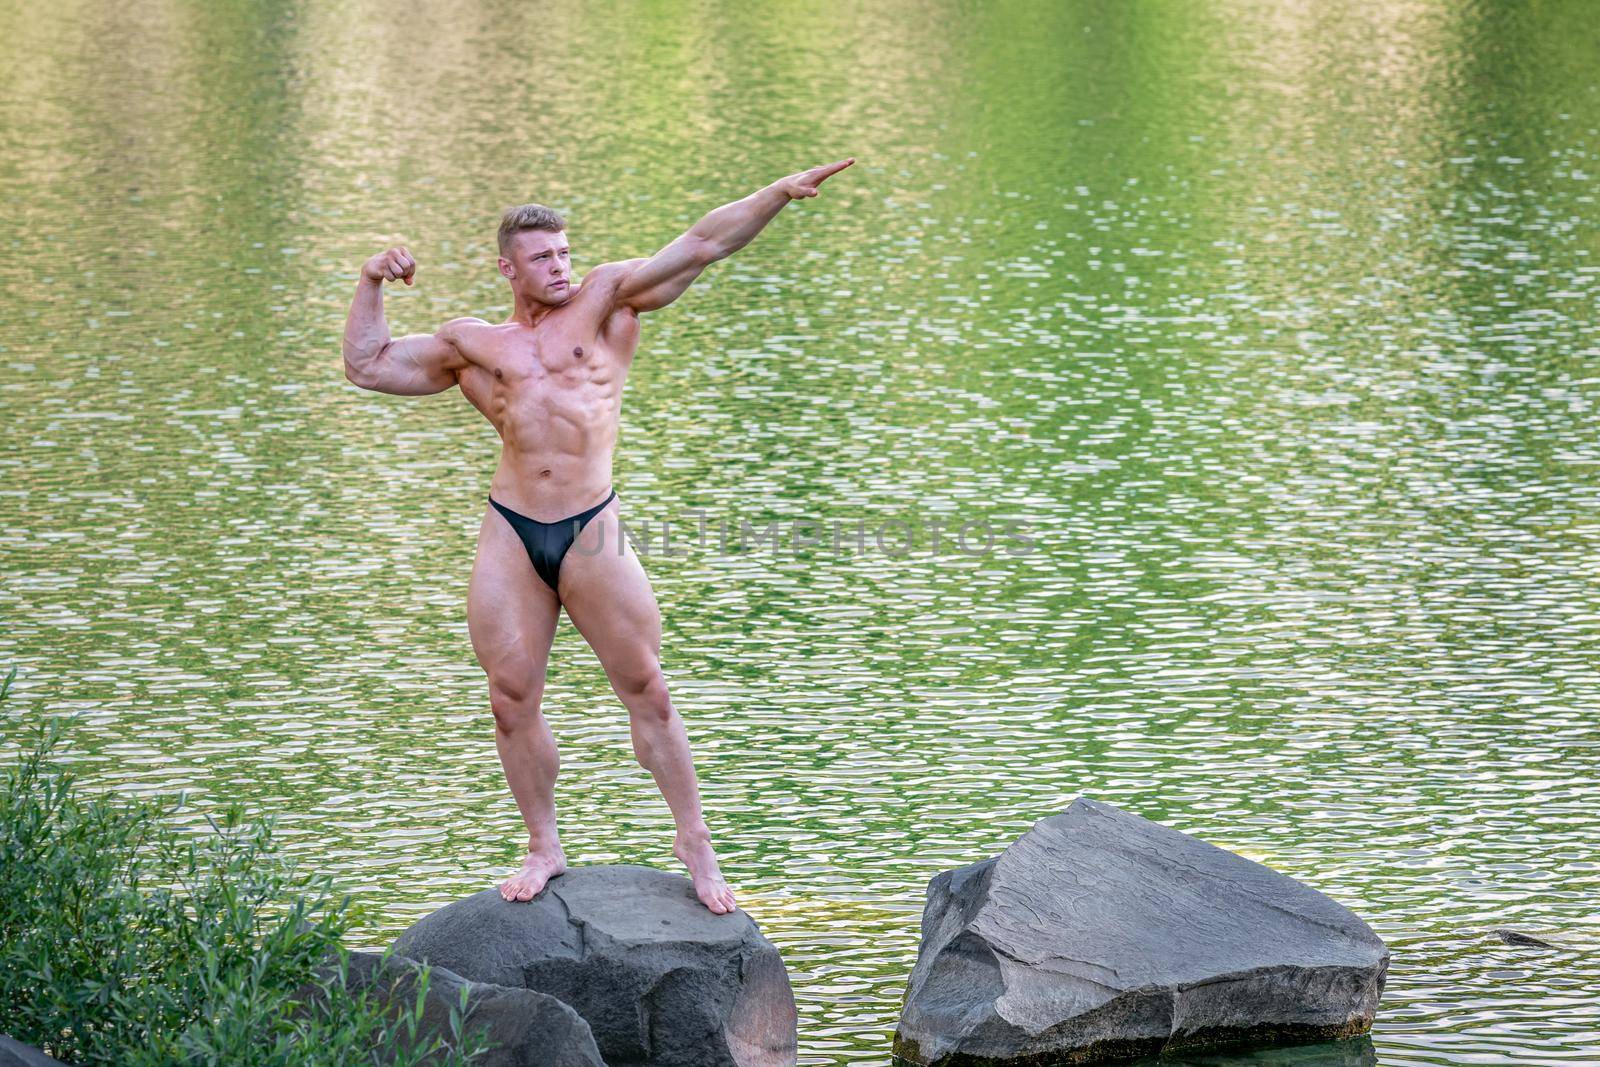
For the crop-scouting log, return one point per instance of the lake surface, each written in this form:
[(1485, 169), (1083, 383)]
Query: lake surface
[(1274, 326)]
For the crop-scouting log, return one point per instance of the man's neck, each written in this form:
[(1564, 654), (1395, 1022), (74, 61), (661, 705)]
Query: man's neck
[(533, 312)]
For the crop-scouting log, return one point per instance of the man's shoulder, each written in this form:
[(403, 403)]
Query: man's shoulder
[(462, 329), (600, 286), (602, 281), (617, 268)]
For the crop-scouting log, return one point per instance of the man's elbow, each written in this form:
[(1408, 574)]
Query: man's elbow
[(352, 370), (360, 368)]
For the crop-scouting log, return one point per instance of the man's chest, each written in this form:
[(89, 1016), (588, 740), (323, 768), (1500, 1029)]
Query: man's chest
[(554, 371)]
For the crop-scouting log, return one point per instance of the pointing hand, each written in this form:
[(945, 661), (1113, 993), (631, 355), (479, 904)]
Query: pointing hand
[(799, 186), (390, 265)]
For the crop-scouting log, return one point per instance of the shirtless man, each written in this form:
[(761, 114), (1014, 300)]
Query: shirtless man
[(550, 380)]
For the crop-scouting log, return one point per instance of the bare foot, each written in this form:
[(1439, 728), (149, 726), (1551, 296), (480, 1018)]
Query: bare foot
[(695, 852), (538, 867)]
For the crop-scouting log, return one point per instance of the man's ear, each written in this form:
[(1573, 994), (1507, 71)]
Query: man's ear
[(506, 268)]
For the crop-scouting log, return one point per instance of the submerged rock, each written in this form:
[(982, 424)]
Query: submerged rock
[(1100, 935), (1353, 1052), (661, 981), (1521, 940)]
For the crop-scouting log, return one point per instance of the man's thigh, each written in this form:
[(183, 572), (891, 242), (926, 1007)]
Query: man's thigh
[(511, 612), (608, 598)]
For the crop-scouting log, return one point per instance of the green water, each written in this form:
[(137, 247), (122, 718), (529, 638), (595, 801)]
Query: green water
[(1275, 323)]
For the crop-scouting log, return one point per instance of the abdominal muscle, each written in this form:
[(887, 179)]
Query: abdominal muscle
[(555, 460)]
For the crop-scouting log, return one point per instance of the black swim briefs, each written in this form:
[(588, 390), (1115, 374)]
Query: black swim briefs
[(547, 542)]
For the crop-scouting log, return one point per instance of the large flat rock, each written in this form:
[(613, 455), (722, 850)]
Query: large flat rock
[(660, 979), (1099, 935)]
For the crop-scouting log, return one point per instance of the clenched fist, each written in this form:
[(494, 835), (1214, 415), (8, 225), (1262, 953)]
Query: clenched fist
[(395, 263)]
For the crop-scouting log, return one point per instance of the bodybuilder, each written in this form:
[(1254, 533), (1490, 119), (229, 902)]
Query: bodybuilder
[(550, 380)]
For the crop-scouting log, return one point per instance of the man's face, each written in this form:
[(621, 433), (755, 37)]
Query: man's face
[(539, 266)]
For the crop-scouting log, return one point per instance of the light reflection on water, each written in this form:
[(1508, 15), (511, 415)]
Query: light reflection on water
[(1275, 323)]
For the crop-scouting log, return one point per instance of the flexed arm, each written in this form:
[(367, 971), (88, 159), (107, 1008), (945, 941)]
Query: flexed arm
[(414, 365), (648, 284)]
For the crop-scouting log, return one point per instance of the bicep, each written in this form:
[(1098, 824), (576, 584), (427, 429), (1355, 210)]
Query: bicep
[(416, 365)]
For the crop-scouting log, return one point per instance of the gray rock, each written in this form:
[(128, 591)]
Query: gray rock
[(661, 980), (14, 1053), (1099, 935), (525, 1029)]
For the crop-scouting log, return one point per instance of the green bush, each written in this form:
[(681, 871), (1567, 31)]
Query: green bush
[(127, 939)]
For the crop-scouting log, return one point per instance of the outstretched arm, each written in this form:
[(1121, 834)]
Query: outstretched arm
[(415, 365), (648, 284)]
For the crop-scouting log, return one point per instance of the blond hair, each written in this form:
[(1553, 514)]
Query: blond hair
[(527, 217)]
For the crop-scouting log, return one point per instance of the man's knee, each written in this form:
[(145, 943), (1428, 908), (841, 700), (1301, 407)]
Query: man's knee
[(514, 701), (644, 690), (649, 713)]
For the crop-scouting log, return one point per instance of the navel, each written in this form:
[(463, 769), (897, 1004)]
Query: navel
[(497, 373), (578, 351)]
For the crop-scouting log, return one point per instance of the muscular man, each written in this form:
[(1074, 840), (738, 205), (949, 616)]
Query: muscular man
[(550, 380)]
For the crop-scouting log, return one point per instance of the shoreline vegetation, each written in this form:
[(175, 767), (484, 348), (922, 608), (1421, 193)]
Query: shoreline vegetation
[(129, 939)]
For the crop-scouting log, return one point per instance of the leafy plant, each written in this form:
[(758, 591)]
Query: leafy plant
[(128, 939)]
